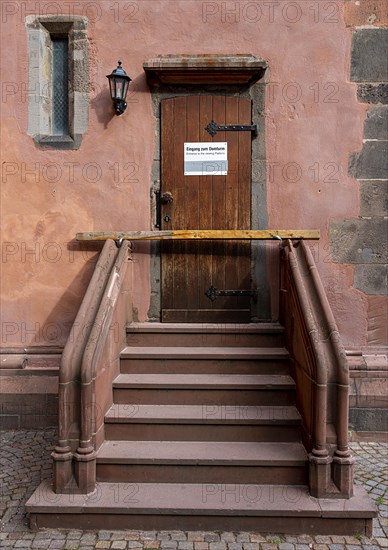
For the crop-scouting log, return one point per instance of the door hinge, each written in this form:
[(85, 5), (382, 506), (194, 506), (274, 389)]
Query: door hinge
[(212, 128), (212, 293)]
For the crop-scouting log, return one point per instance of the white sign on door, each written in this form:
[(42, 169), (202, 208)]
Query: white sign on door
[(206, 159)]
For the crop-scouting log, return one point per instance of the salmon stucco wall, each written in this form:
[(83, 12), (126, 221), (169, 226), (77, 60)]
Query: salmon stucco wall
[(313, 121)]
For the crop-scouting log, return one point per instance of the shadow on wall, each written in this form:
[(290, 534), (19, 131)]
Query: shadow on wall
[(59, 323), (103, 107)]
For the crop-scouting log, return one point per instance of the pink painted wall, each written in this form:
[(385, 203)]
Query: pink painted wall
[(313, 121)]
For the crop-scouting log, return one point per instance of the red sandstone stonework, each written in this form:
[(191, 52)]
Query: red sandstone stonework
[(366, 12)]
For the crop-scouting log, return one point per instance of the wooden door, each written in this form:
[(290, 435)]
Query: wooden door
[(205, 201)]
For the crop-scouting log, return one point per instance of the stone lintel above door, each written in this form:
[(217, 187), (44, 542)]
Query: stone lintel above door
[(242, 70)]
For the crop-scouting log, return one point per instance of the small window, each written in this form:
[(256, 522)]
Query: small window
[(60, 88), (58, 107)]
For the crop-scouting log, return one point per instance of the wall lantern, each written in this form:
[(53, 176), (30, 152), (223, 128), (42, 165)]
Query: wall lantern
[(118, 84)]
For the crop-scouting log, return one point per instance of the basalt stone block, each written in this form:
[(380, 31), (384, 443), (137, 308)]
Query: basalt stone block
[(371, 279), (372, 93), (369, 55), (359, 241), (376, 123), (374, 198), (368, 420), (37, 404), (371, 162)]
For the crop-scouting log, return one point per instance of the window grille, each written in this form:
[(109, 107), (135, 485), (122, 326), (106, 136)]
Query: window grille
[(60, 95)]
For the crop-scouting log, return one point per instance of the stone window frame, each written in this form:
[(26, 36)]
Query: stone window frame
[(41, 30)]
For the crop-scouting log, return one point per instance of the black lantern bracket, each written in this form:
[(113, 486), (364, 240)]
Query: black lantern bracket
[(120, 106)]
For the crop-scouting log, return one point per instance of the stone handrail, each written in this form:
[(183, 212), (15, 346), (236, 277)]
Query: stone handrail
[(303, 344), (101, 364), (69, 373), (320, 371), (336, 353)]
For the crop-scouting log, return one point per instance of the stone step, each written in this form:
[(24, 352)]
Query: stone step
[(202, 462), (195, 359), (207, 422), (226, 389), (205, 334), (187, 352), (260, 508)]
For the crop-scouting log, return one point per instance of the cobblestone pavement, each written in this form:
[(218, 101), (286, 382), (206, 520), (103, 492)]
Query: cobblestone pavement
[(25, 461)]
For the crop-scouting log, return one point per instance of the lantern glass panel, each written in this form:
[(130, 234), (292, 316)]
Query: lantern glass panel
[(119, 88), (112, 87), (125, 90)]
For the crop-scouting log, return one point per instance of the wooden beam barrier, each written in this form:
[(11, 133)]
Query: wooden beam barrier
[(199, 234)]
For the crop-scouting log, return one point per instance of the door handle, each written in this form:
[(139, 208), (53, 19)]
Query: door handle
[(166, 197)]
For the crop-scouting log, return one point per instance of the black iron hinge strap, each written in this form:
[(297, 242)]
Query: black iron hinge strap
[(212, 293), (212, 128)]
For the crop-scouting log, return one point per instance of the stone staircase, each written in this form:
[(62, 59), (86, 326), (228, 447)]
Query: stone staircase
[(200, 407), (203, 434)]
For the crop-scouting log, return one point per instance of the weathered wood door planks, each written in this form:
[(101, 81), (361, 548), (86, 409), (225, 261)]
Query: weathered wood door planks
[(220, 202)]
